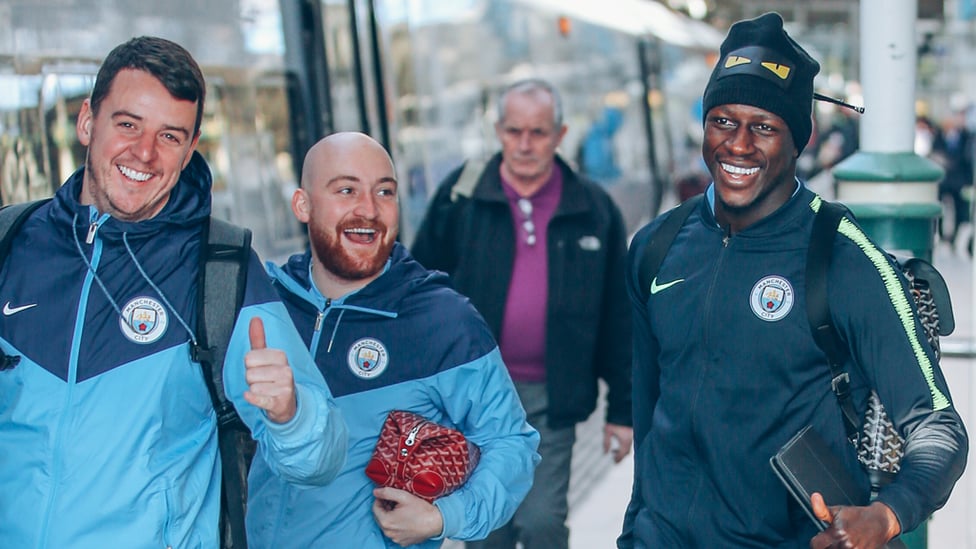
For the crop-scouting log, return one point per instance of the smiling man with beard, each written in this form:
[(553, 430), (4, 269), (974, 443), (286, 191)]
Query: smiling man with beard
[(726, 367), (358, 293)]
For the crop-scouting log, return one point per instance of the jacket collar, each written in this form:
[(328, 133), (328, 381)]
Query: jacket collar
[(189, 204), (574, 199)]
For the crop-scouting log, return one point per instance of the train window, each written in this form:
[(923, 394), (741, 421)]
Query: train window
[(247, 133), (443, 97), (38, 145)]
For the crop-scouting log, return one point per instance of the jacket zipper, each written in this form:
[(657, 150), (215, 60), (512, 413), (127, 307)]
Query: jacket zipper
[(56, 465)]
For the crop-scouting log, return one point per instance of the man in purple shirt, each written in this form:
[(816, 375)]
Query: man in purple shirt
[(541, 252)]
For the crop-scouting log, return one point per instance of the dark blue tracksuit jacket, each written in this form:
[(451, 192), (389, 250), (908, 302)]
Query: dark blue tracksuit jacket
[(726, 371)]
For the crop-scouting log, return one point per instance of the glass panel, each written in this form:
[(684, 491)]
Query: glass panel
[(446, 61), (340, 53), (48, 60)]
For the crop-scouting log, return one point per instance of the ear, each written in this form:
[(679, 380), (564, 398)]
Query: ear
[(300, 205), (83, 126), (189, 152)]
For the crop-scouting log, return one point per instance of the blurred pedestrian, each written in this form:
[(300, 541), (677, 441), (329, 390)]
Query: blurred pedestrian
[(953, 149), (540, 251)]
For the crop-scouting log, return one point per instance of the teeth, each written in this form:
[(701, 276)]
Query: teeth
[(133, 174), (739, 171), (361, 231)]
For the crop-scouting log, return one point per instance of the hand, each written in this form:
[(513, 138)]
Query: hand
[(405, 518), (853, 527), (625, 439), (269, 377)]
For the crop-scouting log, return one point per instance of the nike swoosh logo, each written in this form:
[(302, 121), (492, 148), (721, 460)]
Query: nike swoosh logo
[(655, 288), (8, 310)]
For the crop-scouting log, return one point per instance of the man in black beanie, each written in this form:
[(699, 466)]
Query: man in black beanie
[(726, 368)]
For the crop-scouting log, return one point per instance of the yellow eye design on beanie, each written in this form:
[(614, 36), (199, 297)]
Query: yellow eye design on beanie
[(734, 60), (782, 71)]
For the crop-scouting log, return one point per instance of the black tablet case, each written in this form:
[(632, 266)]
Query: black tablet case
[(806, 464)]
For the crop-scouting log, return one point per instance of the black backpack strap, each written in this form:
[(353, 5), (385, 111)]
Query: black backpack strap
[(660, 242), (12, 217), (223, 268), (825, 224), (220, 294)]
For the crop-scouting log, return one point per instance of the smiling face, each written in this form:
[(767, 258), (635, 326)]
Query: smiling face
[(138, 142), (752, 159), (349, 201)]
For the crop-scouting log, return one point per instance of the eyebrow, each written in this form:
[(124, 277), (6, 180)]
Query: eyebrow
[(167, 127), (355, 179)]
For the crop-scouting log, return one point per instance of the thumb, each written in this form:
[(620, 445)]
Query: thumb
[(256, 333), (820, 509)]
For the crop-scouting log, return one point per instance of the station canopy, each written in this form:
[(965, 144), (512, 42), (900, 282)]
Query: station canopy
[(638, 18)]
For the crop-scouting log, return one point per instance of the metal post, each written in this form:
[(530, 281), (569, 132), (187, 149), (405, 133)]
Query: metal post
[(891, 189)]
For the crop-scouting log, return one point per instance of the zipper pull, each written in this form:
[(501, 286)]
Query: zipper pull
[(318, 321), (91, 233), (412, 436)]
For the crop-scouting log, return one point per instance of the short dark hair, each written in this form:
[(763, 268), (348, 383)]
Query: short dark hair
[(167, 61)]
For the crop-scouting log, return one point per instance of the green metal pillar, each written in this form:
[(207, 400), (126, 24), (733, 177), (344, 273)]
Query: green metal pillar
[(894, 197)]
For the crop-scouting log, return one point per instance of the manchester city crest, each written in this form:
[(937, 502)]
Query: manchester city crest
[(367, 358), (771, 298), (143, 320)]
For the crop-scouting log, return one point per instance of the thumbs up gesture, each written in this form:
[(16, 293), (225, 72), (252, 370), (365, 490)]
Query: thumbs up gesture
[(271, 385)]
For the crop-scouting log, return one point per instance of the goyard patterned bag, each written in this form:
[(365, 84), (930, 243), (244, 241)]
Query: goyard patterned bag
[(419, 456)]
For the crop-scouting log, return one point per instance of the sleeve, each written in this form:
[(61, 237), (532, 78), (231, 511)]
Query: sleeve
[(646, 388), (480, 398), (614, 355), (311, 448), (433, 245), (876, 315)]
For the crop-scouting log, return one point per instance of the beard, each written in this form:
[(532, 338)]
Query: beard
[(335, 258)]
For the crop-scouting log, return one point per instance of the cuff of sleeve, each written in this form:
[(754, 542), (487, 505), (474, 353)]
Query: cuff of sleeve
[(901, 506), (300, 423), (452, 513)]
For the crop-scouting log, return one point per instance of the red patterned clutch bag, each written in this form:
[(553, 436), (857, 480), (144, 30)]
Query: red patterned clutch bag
[(419, 456)]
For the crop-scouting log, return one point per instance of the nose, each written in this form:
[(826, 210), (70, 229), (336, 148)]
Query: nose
[(525, 140), (144, 147), (740, 142), (366, 206)]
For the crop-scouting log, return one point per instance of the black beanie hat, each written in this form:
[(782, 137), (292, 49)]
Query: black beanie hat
[(762, 66)]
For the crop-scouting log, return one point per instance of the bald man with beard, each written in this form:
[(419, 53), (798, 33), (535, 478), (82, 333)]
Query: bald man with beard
[(358, 290)]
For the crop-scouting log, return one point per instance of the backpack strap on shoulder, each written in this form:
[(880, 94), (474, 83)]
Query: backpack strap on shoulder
[(220, 294), (825, 224), (660, 242), (467, 180), (225, 251), (12, 216)]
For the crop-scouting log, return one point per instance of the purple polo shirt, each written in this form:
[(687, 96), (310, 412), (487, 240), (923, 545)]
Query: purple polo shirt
[(523, 337)]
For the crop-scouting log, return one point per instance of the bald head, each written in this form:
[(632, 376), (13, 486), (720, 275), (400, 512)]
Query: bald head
[(341, 154)]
